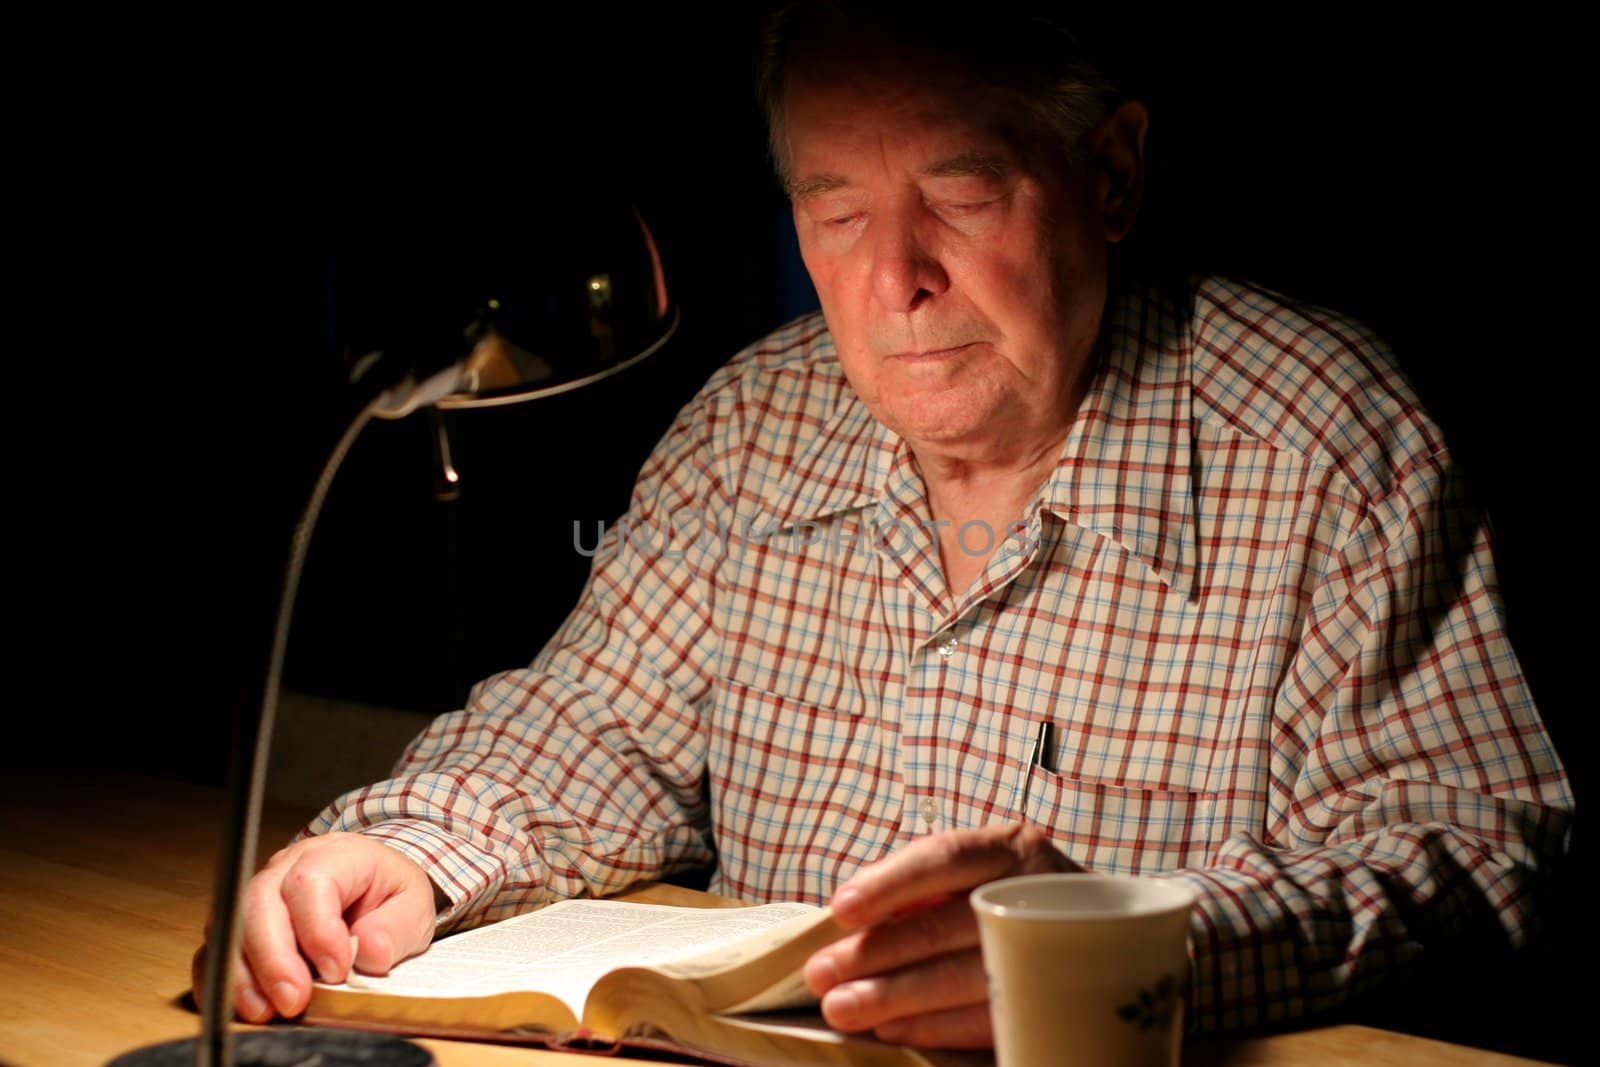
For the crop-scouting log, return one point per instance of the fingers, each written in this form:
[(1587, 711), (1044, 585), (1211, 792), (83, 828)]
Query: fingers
[(248, 1002), (944, 863), (315, 892), (297, 909), (912, 972), (397, 929), (908, 999), (270, 949), (968, 1027), (917, 979), (919, 935), (387, 901)]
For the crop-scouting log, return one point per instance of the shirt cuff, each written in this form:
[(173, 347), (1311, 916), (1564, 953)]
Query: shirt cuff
[(467, 875)]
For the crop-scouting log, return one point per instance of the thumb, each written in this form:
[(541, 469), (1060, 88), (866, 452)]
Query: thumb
[(397, 929)]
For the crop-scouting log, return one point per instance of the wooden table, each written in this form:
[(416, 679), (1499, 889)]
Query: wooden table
[(104, 888)]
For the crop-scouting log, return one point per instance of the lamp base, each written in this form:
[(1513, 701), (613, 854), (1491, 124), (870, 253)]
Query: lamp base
[(292, 1047)]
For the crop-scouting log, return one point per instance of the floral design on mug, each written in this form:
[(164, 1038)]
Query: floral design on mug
[(1154, 1008)]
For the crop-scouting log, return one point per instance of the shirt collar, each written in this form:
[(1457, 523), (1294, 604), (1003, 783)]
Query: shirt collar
[(847, 464), (1124, 471)]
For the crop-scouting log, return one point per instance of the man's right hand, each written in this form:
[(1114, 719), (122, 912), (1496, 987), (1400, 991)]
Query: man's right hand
[(338, 900)]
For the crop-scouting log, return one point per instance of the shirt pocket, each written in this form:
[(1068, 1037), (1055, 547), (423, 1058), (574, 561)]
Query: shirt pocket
[(1117, 828), (799, 793)]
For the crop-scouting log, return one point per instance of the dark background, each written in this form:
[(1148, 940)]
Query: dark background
[(175, 380)]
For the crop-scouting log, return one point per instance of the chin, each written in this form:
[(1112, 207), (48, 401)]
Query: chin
[(944, 417), (943, 431)]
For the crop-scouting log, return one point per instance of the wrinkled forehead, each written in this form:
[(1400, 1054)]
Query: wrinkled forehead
[(861, 93)]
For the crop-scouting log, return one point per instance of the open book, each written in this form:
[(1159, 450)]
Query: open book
[(722, 984)]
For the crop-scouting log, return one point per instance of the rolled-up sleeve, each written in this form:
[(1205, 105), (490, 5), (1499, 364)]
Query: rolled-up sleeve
[(583, 772)]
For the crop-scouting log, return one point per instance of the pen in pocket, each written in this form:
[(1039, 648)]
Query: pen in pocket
[(1037, 749)]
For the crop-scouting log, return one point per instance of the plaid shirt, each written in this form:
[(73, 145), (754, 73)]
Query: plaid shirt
[(1250, 602)]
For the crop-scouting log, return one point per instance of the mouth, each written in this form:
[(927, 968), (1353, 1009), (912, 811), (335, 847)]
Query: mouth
[(932, 355)]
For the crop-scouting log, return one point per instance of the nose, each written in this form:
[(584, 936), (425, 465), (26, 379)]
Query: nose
[(905, 271)]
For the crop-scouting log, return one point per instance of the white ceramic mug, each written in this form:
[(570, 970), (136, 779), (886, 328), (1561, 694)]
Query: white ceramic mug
[(1085, 969)]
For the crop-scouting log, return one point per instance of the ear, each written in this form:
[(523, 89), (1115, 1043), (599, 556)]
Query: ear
[(1116, 158)]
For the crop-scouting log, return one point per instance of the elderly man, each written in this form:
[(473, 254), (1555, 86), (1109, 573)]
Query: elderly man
[(1206, 535)]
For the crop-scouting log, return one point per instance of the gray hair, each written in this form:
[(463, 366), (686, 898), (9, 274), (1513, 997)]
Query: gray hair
[(1025, 54)]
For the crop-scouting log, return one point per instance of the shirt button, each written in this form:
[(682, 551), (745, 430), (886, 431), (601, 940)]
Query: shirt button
[(947, 644), (930, 810)]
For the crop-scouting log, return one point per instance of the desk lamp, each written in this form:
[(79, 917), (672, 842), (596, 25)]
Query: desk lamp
[(547, 306)]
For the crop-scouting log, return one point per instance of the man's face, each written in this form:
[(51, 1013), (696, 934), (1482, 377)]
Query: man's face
[(962, 277)]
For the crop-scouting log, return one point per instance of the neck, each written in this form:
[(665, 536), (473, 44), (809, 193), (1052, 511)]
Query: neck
[(965, 486), (1000, 473), (976, 504), (991, 483)]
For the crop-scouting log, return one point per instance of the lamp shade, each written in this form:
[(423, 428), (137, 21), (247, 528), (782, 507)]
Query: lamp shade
[(524, 296)]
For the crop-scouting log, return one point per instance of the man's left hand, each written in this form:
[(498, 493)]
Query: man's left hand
[(911, 970)]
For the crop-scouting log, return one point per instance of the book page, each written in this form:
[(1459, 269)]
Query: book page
[(761, 972), (565, 948), (761, 941)]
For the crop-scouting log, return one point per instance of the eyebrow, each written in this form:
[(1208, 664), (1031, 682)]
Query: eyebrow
[(971, 164), (816, 185)]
